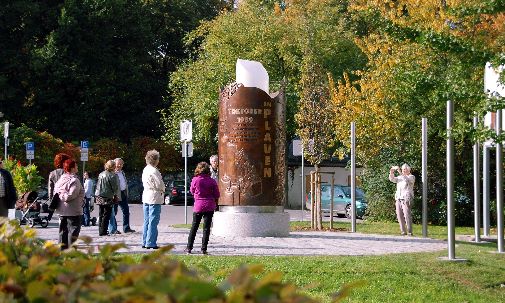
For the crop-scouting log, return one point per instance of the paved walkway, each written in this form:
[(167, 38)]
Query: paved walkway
[(297, 244)]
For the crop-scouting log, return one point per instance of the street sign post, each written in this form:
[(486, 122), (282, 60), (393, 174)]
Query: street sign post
[(186, 137), (6, 137), (84, 154), (30, 151), (189, 148), (186, 130), (6, 129)]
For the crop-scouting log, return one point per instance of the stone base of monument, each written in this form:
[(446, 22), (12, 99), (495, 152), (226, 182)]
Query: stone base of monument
[(251, 221)]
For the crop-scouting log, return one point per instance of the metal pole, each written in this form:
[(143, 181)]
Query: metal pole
[(185, 182), (332, 192), (6, 138), (450, 183), (353, 176), (486, 187), (476, 183), (424, 139), (312, 198), (303, 183), (499, 183)]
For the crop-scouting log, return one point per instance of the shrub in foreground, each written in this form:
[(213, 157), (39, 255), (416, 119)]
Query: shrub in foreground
[(32, 270)]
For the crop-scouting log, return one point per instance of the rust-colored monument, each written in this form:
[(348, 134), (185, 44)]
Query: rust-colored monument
[(252, 168)]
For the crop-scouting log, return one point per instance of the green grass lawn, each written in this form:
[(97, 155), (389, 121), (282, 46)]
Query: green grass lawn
[(415, 277)]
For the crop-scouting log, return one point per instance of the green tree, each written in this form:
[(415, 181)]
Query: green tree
[(25, 178), (272, 34), (314, 121), (100, 68), (416, 63), (24, 26)]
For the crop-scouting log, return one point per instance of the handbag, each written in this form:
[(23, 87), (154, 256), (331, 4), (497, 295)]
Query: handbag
[(55, 202)]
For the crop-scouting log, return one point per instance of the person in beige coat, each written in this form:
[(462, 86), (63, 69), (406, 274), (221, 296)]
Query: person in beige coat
[(403, 196), (152, 198), (71, 193)]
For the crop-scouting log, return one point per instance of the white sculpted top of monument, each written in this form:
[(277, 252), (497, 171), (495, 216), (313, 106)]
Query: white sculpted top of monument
[(252, 74)]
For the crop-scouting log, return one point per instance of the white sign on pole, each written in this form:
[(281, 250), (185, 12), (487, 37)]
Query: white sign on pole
[(30, 150), (190, 150), (84, 151), (84, 156), (297, 147), (6, 129), (186, 130)]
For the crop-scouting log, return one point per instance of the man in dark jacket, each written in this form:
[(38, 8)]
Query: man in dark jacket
[(8, 194)]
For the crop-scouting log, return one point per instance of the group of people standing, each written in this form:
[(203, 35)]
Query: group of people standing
[(112, 191), (75, 198), (205, 192)]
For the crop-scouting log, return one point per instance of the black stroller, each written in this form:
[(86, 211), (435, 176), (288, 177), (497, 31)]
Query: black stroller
[(31, 208)]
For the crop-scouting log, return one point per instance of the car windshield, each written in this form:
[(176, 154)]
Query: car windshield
[(359, 192), (326, 194)]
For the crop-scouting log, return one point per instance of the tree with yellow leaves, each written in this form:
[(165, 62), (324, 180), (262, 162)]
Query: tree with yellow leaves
[(420, 55), (314, 120)]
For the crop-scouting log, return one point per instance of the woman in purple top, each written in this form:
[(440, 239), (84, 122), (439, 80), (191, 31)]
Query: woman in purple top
[(206, 193)]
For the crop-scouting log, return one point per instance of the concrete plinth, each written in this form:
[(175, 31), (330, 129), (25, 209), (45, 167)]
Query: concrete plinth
[(250, 222)]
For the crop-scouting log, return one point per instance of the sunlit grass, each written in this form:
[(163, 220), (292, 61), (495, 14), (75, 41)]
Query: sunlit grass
[(388, 228), (412, 277)]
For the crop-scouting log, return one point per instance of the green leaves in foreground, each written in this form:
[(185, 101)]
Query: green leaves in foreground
[(32, 270)]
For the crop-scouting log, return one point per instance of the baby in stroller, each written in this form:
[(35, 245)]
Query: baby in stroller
[(31, 208)]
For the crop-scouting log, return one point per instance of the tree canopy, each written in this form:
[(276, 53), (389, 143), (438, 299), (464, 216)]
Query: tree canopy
[(92, 69), (275, 35), (420, 54)]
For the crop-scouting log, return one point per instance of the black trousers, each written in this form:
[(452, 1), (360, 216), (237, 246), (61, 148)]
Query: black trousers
[(70, 227), (4, 210), (104, 213), (207, 222)]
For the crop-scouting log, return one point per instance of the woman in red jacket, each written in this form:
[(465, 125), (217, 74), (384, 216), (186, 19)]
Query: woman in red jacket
[(206, 193)]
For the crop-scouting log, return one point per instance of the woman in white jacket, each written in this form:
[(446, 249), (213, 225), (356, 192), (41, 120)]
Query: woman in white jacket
[(71, 194), (403, 196), (152, 198)]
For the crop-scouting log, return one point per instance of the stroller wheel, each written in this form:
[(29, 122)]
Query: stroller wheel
[(44, 222), (31, 222)]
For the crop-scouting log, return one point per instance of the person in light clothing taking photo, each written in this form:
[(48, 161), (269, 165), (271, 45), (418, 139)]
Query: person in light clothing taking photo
[(403, 196)]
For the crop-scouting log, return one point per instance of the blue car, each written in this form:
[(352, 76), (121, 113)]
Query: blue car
[(341, 200)]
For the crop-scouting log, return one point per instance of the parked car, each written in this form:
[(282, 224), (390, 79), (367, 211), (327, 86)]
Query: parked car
[(174, 193), (135, 189), (341, 200)]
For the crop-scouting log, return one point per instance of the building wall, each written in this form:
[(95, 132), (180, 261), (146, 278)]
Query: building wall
[(342, 176)]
